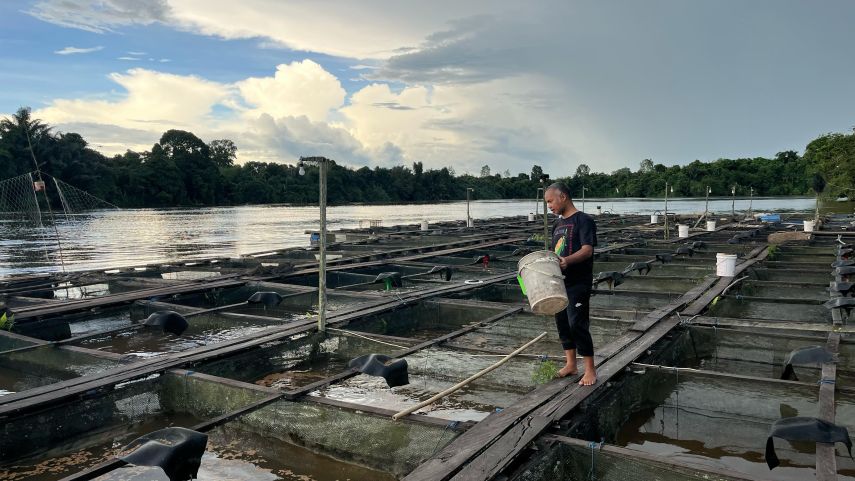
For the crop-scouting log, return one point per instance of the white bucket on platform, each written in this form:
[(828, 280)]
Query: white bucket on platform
[(682, 230), (809, 225), (544, 284), (470, 222), (725, 264), (710, 226), (424, 225), (654, 219), (531, 217)]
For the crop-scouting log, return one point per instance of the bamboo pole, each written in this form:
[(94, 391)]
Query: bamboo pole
[(466, 381)]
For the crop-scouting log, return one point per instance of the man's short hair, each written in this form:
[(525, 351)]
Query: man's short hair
[(561, 187)]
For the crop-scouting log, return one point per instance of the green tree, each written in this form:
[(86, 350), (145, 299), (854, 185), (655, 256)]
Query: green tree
[(223, 152), (645, 166), (833, 156)]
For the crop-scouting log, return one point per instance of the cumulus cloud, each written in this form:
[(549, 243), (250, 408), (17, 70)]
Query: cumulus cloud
[(153, 102), (300, 109), (287, 117), (76, 50), (296, 89), (100, 16)]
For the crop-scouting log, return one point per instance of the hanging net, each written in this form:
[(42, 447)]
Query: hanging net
[(18, 199), (26, 198), (76, 201)]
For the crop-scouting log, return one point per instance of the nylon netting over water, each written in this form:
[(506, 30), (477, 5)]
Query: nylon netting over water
[(24, 198), (76, 201), (563, 462), (18, 199), (392, 446)]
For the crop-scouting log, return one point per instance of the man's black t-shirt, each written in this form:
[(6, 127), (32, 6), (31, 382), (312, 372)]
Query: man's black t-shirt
[(568, 236)]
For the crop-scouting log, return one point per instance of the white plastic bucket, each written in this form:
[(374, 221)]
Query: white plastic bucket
[(710, 226), (470, 222), (682, 230), (544, 284), (531, 217), (654, 219), (424, 225), (725, 264), (809, 225)]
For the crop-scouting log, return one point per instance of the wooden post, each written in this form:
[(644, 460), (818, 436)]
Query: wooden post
[(322, 261)]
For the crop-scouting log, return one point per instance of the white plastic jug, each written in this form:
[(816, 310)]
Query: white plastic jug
[(682, 231)]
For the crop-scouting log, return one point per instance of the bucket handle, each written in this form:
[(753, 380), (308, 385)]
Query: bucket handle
[(547, 274)]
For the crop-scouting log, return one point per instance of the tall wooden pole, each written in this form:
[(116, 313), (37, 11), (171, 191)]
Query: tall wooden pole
[(322, 270)]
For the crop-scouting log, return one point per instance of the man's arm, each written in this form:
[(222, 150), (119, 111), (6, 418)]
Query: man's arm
[(579, 256)]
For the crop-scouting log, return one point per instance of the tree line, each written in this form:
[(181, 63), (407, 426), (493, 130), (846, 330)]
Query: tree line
[(182, 170)]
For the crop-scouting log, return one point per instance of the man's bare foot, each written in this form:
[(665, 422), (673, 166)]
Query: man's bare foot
[(568, 370), (589, 379)]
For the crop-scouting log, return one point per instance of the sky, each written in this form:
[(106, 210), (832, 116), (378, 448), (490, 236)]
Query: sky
[(502, 83)]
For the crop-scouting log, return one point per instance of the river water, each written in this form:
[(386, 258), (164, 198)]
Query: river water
[(130, 237)]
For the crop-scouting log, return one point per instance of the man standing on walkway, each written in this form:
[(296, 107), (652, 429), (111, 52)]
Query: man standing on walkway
[(574, 236)]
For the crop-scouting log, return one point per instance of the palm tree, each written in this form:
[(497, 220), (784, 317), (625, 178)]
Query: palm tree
[(20, 134)]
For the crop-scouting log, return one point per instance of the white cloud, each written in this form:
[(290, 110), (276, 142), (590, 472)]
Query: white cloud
[(296, 89), (154, 102), (132, 59), (300, 110), (76, 50), (287, 117), (100, 16)]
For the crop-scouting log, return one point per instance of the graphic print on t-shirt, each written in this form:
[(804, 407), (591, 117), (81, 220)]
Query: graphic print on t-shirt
[(561, 240)]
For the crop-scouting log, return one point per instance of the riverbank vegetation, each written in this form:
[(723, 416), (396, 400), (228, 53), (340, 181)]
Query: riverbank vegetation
[(181, 170)]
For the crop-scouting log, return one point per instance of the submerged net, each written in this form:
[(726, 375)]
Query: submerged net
[(381, 443), (83, 432), (564, 462)]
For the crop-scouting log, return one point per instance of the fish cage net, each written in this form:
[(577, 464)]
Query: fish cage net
[(747, 353), (425, 320), (565, 462), (374, 441), (28, 369), (132, 407), (295, 361)]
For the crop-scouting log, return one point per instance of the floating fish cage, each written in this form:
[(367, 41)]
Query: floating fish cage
[(694, 371)]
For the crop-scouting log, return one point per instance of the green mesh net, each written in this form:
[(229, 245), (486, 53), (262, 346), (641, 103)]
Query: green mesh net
[(563, 462), (377, 442)]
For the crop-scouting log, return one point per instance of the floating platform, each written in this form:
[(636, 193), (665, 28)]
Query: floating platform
[(690, 364)]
